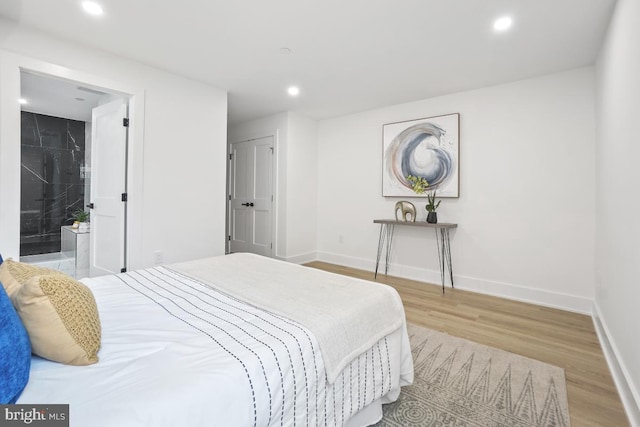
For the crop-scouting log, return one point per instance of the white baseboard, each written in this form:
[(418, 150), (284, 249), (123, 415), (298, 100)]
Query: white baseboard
[(504, 290), (302, 258), (628, 391)]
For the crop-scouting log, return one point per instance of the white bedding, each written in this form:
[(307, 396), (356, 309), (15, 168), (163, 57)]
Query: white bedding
[(175, 352)]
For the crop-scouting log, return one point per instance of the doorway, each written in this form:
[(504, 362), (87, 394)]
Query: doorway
[(251, 196), (60, 162)]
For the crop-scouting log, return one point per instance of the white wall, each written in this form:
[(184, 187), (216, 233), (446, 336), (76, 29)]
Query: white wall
[(302, 189), (617, 203), (177, 200), (296, 180), (526, 207)]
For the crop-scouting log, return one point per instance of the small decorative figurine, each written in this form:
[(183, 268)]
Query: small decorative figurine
[(407, 209)]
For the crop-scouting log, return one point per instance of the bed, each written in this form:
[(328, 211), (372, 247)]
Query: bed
[(236, 340)]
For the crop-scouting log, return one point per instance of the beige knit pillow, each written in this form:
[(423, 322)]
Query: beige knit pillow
[(61, 318), (14, 274), (9, 283)]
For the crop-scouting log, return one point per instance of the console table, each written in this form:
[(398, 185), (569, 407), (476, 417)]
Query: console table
[(387, 227)]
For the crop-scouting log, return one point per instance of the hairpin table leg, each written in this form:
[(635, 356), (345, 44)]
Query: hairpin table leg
[(441, 256), (390, 230), (386, 236), (448, 254), (380, 246)]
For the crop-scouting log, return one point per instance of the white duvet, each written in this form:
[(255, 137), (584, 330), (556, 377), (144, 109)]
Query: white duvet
[(175, 352)]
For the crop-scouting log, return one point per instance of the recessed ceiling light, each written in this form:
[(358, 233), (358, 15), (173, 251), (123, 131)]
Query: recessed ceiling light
[(92, 8), (502, 23), (285, 51), (22, 101), (293, 91), (80, 99)]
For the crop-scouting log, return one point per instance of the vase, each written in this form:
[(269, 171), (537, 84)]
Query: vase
[(432, 218)]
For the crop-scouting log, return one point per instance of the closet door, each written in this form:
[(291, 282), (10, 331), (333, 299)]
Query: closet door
[(251, 196)]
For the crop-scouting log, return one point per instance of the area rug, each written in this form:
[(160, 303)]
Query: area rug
[(460, 383)]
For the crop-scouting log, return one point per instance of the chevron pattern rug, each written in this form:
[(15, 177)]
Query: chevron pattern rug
[(460, 383)]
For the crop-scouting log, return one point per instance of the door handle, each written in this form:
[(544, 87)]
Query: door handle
[(90, 206), (247, 204)]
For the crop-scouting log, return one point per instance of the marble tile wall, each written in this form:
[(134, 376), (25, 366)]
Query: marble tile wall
[(53, 151)]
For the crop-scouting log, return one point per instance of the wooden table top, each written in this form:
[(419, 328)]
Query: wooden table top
[(416, 223)]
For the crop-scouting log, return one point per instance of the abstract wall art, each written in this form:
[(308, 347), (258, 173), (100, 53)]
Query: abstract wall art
[(424, 148)]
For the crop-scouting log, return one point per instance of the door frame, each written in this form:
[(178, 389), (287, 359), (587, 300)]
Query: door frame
[(274, 190), (11, 65)]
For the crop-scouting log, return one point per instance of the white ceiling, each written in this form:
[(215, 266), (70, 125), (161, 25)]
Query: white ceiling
[(347, 55), (58, 98)]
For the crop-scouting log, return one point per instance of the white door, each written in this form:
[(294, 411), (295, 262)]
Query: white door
[(251, 196), (108, 184)]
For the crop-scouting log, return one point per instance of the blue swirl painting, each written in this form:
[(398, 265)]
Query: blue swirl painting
[(424, 148)]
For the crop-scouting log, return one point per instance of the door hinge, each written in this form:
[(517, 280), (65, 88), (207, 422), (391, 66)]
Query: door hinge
[(272, 198), (125, 122), (229, 196), (125, 197), (271, 148), (230, 156), (271, 245), (229, 238), (123, 270)]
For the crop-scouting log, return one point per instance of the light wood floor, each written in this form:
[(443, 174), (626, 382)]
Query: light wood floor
[(553, 336)]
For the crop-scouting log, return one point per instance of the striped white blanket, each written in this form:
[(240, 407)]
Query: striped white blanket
[(346, 315)]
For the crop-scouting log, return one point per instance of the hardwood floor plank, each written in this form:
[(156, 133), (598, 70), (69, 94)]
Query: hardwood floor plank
[(550, 335)]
